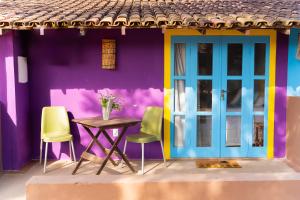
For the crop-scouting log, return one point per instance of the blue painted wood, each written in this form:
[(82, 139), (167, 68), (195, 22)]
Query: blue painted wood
[(260, 151), (178, 151), (293, 81), (219, 113), (214, 149), (227, 151)]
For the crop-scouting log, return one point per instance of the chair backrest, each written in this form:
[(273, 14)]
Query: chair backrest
[(152, 121), (54, 120)]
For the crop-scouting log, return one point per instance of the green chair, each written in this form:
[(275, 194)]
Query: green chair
[(55, 127), (150, 131)]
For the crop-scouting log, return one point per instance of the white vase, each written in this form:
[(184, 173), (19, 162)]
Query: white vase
[(106, 110)]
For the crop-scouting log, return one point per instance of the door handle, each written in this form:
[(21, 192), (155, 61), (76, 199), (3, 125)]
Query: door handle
[(223, 94)]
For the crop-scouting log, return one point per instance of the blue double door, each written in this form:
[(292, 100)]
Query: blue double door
[(219, 96)]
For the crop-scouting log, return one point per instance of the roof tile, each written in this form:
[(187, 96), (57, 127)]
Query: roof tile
[(135, 13)]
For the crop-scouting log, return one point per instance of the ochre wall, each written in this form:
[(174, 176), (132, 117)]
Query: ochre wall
[(293, 131)]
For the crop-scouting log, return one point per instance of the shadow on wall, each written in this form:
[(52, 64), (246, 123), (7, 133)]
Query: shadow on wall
[(65, 69), (9, 156), (85, 103)]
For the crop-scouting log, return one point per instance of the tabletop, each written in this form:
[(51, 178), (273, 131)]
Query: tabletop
[(98, 122)]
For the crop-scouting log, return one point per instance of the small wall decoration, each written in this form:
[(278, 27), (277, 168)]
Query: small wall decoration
[(298, 48), (22, 69), (108, 54)]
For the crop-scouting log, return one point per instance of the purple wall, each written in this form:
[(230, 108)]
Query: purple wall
[(14, 105), (281, 96), (6, 50), (23, 137), (65, 69)]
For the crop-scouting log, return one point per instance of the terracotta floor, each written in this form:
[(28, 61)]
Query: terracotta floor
[(12, 185)]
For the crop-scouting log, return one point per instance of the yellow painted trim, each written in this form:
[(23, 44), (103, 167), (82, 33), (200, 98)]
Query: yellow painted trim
[(272, 87), (167, 95), (167, 78)]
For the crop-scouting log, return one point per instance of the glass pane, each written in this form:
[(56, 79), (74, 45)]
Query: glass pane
[(179, 95), (235, 59), (234, 95), (259, 95), (204, 100), (260, 59), (179, 131), (205, 59), (204, 131), (233, 131), (179, 58), (258, 131)]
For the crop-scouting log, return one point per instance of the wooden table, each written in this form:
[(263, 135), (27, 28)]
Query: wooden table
[(102, 126)]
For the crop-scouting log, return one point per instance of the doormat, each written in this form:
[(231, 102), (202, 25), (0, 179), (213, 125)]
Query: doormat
[(217, 164)]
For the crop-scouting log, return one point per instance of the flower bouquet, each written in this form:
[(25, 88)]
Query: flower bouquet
[(109, 103)]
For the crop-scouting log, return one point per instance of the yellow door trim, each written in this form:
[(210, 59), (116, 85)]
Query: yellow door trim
[(167, 78)]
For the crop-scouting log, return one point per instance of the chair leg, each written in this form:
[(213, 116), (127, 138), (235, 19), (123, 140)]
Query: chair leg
[(125, 145), (70, 150), (162, 151), (73, 149), (45, 160), (41, 151), (143, 158), (124, 151)]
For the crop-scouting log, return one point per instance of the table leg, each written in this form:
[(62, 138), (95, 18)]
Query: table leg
[(115, 148), (87, 149), (99, 144), (118, 150)]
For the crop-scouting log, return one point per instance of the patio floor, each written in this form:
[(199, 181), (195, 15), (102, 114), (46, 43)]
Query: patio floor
[(12, 185)]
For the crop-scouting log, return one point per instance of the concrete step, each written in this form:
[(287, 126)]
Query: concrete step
[(233, 186)]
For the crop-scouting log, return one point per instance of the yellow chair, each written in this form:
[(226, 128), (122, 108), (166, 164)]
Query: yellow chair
[(150, 131), (55, 127)]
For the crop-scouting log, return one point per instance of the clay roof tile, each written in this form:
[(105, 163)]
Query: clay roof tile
[(134, 13)]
